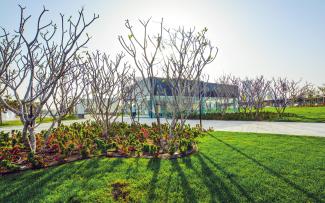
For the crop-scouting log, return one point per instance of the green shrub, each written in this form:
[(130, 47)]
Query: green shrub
[(8, 165), (87, 139), (36, 160)]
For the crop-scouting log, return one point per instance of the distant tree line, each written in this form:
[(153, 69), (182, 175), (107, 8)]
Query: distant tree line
[(254, 94)]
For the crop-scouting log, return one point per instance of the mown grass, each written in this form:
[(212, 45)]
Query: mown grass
[(302, 114), (44, 120), (229, 167), (291, 114)]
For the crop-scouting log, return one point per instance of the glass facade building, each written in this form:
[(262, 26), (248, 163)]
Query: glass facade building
[(214, 98)]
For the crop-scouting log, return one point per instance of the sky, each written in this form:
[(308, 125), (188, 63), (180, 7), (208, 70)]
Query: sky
[(274, 38)]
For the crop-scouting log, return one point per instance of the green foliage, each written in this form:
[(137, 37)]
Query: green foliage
[(84, 140), (36, 160), (10, 150), (5, 163)]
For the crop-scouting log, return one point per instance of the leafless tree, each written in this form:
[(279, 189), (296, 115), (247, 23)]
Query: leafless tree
[(321, 90), (260, 88), (67, 92), (246, 94), (253, 93), (308, 92), (144, 52), (285, 92), (10, 48), (105, 93), (134, 96), (225, 90), (42, 60), (186, 53)]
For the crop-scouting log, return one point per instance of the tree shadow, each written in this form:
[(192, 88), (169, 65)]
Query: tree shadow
[(229, 176), (32, 183), (187, 161), (271, 171), (154, 165), (188, 193), (166, 196), (218, 189)]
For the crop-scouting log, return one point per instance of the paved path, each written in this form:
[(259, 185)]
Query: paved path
[(291, 128)]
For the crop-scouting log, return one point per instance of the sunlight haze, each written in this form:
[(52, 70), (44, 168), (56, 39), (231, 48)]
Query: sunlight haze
[(272, 38)]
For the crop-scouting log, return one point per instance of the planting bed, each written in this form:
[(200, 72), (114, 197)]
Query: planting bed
[(86, 140)]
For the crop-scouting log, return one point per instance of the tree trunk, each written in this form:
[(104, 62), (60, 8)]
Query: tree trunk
[(24, 134), (157, 116), (0, 117), (48, 131), (32, 139), (59, 122)]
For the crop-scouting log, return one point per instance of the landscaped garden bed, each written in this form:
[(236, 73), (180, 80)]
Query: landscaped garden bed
[(85, 140)]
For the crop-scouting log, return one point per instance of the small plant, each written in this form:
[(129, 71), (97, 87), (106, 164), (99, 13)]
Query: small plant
[(35, 160), (171, 147), (8, 165), (85, 152), (86, 139)]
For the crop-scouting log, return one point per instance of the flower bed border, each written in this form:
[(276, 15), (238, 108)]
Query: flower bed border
[(110, 155)]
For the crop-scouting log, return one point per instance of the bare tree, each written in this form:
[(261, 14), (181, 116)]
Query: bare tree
[(105, 94), (252, 94), (260, 88), (226, 91), (246, 94), (308, 92), (134, 96), (186, 53), (280, 93), (67, 92), (286, 92), (321, 90), (10, 48), (41, 62), (144, 51)]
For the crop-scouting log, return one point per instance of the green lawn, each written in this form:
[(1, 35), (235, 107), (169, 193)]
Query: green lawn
[(303, 114), (45, 120), (230, 167)]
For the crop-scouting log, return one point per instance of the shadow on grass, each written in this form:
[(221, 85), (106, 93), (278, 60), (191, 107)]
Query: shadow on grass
[(217, 188), (31, 185), (154, 165), (188, 193), (229, 176), (271, 171)]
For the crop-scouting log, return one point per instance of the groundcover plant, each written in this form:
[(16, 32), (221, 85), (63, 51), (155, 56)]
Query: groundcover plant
[(84, 140)]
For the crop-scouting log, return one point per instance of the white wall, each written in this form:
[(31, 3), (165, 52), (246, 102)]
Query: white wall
[(9, 115)]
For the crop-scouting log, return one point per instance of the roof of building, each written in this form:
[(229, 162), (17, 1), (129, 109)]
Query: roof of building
[(163, 88)]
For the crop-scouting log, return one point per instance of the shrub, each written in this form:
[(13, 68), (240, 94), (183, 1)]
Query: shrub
[(8, 165), (86, 139), (36, 160)]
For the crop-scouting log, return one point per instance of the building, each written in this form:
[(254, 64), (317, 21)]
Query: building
[(214, 97), (8, 115)]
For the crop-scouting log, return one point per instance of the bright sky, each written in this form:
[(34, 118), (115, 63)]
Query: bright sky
[(273, 38)]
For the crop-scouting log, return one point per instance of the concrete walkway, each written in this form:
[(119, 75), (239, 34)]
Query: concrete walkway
[(289, 128)]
